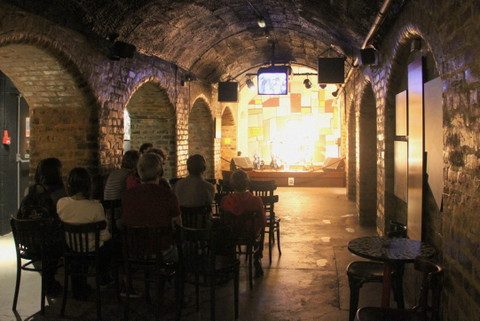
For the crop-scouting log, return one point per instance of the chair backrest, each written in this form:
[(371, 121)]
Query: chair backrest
[(80, 236), (195, 217), (244, 225), (30, 237), (144, 243), (199, 246), (262, 188), (432, 283), (269, 203), (397, 229), (111, 208)]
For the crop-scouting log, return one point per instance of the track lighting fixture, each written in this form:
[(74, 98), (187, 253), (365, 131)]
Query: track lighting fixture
[(323, 86), (307, 83), (261, 22), (250, 83), (335, 93)]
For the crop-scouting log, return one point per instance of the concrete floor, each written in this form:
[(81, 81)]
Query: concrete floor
[(308, 282)]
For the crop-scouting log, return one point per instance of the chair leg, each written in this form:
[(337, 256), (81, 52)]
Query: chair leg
[(278, 238), (65, 288), (98, 299), (178, 295), (212, 298), (127, 292), (270, 243), (250, 266), (354, 296), (17, 284), (42, 300), (147, 288), (235, 290), (397, 285), (197, 291)]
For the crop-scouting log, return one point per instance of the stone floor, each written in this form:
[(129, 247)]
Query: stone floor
[(307, 282)]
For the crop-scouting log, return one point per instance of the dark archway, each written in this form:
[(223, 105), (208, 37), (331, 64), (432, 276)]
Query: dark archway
[(367, 158), (152, 120), (229, 138), (201, 134)]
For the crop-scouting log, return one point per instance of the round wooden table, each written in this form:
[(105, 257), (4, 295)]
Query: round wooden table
[(391, 251)]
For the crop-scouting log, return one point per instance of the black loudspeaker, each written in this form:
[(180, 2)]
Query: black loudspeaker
[(228, 91), (368, 56), (121, 49), (331, 70)]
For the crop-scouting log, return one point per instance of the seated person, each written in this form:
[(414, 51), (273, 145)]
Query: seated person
[(163, 156), (145, 147), (241, 201), (194, 190), (77, 208), (150, 203), (40, 202), (116, 181)]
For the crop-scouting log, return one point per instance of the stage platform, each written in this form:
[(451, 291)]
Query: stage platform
[(298, 178)]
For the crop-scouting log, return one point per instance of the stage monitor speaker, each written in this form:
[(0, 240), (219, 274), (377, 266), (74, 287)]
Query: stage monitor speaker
[(368, 56), (334, 164), (331, 70), (228, 91), (244, 163)]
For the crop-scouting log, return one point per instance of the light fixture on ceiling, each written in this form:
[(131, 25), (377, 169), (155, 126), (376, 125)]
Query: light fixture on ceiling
[(261, 22), (250, 84), (323, 86), (307, 83), (335, 93)]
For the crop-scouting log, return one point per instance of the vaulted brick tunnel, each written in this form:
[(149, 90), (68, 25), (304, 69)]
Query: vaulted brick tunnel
[(61, 56), (63, 112)]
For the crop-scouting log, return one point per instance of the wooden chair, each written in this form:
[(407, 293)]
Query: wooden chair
[(266, 190), (361, 272), (142, 250), (30, 240), (196, 217), (430, 291), (112, 208), (78, 237), (208, 256), (245, 235)]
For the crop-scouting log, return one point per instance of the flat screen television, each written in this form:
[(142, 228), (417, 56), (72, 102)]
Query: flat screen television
[(272, 80)]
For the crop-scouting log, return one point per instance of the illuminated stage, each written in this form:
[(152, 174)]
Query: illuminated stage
[(298, 178)]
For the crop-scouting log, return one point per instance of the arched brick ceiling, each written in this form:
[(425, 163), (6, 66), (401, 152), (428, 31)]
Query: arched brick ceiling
[(217, 39)]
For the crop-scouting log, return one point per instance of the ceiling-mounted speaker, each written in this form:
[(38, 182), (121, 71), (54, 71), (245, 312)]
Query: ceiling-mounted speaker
[(331, 70), (368, 56), (228, 91), (121, 49)]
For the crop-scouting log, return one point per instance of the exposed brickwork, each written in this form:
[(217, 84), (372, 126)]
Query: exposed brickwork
[(201, 135), (153, 120), (448, 31), (229, 138)]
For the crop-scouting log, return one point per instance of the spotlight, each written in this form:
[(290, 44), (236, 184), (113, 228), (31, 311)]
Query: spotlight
[(261, 22), (307, 83), (335, 93), (250, 84), (323, 86)]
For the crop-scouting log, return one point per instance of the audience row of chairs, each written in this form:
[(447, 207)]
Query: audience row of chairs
[(201, 242)]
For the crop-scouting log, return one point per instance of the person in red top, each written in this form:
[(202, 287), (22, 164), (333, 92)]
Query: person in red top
[(243, 201), (151, 203)]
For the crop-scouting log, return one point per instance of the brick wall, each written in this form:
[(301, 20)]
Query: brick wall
[(201, 135), (229, 133), (448, 31)]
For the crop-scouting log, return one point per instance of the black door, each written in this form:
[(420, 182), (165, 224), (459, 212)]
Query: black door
[(13, 177)]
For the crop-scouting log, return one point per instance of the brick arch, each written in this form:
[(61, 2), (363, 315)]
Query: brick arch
[(229, 138), (63, 110), (367, 157), (351, 151), (201, 134), (152, 120)]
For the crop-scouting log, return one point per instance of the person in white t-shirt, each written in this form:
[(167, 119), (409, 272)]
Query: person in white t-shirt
[(78, 208)]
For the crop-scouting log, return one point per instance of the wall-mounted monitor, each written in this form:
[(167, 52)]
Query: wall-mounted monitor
[(273, 80)]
